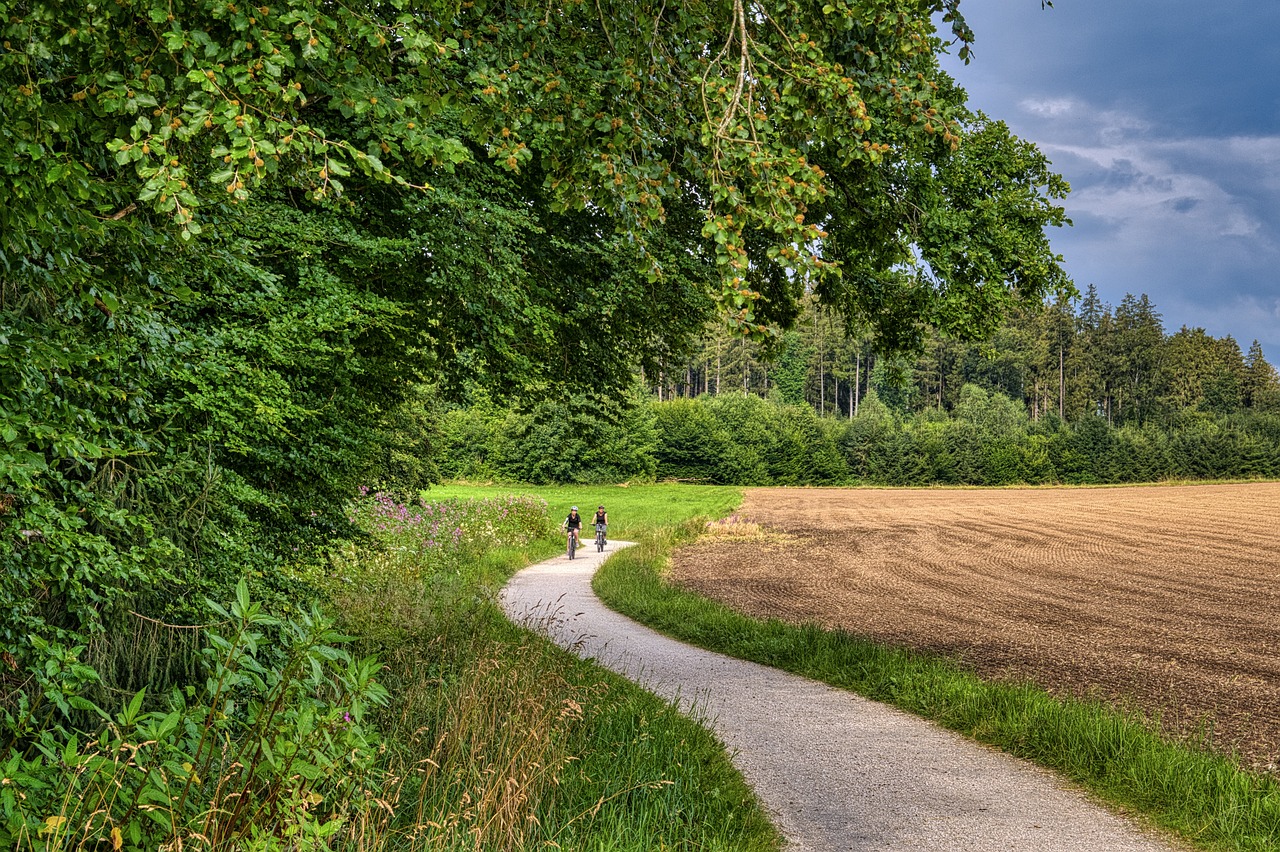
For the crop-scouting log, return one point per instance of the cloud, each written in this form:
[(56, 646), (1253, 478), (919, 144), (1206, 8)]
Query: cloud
[(1190, 221), (1246, 318), (1050, 108), (1165, 120)]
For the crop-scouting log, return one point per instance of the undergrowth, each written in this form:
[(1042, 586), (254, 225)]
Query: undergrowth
[(406, 713)]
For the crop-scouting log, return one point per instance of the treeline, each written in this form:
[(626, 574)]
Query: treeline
[(1072, 358), (744, 439)]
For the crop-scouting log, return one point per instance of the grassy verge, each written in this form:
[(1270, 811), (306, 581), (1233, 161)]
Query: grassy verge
[(1204, 798), (634, 510), (505, 741), (406, 713)]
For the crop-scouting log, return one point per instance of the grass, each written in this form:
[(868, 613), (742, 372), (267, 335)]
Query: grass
[(479, 735), (634, 510), (505, 741), (1204, 798), (413, 716), (521, 745)]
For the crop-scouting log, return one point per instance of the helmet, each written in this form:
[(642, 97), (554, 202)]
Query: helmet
[(601, 506), (573, 509)]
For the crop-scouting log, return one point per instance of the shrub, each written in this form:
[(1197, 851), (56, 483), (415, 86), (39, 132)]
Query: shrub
[(690, 442), (271, 749)]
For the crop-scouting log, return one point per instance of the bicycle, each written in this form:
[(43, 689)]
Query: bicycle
[(573, 543), (600, 538)]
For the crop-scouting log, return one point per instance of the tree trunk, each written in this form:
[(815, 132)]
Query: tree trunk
[(1062, 384), (717, 366), (857, 382)]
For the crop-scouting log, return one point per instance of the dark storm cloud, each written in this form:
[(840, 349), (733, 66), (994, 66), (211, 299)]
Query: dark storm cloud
[(1165, 119)]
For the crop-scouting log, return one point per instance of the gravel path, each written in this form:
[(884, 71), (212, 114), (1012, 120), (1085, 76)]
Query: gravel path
[(834, 770)]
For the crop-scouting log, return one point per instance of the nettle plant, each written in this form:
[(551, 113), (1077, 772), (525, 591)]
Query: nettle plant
[(271, 751)]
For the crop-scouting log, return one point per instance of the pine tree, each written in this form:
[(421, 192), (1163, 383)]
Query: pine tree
[(1139, 359), (1090, 364), (1260, 386)]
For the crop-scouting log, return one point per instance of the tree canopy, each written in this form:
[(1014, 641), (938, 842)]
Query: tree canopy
[(236, 240), (815, 139)]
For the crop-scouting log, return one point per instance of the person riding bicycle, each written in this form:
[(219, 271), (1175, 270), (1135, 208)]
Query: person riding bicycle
[(573, 524), (602, 520)]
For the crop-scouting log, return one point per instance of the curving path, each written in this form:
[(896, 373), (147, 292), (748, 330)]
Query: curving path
[(834, 770)]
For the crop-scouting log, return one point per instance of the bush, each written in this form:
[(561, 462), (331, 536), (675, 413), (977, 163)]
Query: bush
[(270, 752), (690, 442), (750, 428), (805, 451)]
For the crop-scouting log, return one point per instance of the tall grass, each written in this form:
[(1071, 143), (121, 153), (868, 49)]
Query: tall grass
[(508, 742), (1204, 797), (433, 724)]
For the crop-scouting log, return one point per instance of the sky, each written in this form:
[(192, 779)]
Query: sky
[(1164, 116)]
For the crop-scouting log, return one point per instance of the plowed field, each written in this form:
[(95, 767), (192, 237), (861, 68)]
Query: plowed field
[(1160, 599)]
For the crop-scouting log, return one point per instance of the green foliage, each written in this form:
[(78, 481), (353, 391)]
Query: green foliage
[(790, 364), (750, 433), (275, 743), (995, 414), (1060, 357), (468, 732), (472, 442), (690, 442), (804, 451), (975, 216), (743, 439), (225, 282), (249, 255)]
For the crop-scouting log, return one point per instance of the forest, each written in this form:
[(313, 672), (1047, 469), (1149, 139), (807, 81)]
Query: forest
[(1076, 357), (1072, 391)]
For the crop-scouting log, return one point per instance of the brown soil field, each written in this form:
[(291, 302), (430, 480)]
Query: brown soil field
[(1163, 600)]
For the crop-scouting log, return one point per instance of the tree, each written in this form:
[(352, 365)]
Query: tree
[(1260, 388), (1139, 341), (790, 368), (1091, 362), (1206, 373), (174, 174), (1224, 385)]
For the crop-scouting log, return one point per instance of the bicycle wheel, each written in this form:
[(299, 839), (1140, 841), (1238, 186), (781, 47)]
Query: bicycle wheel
[(573, 545), (600, 542)]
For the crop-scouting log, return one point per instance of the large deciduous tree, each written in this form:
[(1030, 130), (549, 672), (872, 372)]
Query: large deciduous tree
[(195, 316)]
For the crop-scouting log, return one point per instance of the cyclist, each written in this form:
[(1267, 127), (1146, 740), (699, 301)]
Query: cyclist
[(602, 520), (572, 524)]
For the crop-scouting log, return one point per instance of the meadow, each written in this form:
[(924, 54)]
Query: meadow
[(414, 716)]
